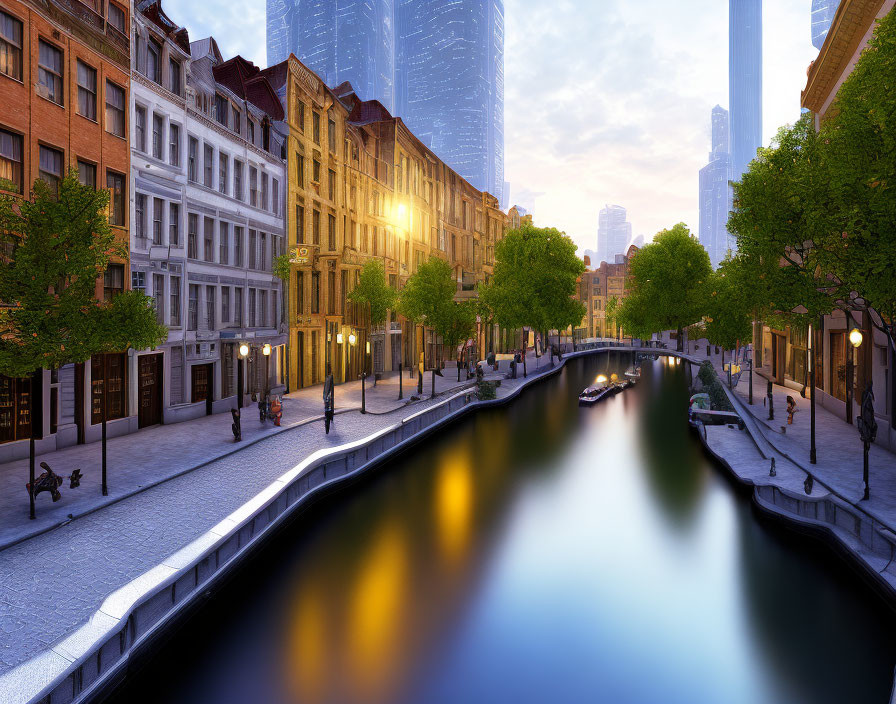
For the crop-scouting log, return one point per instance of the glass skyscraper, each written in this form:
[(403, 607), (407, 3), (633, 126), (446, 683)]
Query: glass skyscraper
[(614, 233), (823, 12), (744, 82), (715, 195), (340, 40), (437, 64)]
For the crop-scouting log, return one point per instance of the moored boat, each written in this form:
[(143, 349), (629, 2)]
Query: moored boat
[(593, 394)]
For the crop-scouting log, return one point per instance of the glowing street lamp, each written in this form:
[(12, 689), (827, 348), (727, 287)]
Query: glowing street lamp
[(855, 338), (243, 353)]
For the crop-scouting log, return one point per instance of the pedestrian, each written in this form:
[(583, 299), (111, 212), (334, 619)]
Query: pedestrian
[(328, 399), (791, 409)]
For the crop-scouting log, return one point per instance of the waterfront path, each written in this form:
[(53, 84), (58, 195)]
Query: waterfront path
[(52, 582)]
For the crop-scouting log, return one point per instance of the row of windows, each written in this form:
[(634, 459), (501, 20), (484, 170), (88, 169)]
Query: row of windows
[(260, 196), (204, 312), (221, 242), (51, 76), (51, 167), (336, 304), (149, 61)]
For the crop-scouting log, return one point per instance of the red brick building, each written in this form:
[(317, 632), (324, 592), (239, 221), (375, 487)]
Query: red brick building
[(64, 82)]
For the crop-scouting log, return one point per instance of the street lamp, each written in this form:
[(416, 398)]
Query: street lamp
[(855, 338), (243, 353), (266, 351)]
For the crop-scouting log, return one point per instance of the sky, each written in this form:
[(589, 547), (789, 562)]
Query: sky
[(606, 101)]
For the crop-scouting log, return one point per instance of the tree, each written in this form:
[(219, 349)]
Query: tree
[(534, 282), (728, 311), (860, 148), (665, 284), (373, 292), (56, 247)]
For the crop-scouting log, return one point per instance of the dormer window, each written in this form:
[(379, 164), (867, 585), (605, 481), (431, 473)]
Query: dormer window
[(116, 17), (154, 61), (174, 77), (221, 109), (237, 118)]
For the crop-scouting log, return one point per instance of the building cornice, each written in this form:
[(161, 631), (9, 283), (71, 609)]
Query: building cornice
[(88, 27), (848, 30), (233, 137), (138, 77)]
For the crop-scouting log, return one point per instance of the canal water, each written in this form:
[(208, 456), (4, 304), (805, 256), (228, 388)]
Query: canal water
[(538, 552)]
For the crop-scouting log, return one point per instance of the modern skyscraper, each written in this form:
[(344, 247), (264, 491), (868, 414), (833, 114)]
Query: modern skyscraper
[(450, 83), (822, 15), (744, 82), (613, 233), (340, 40), (437, 65), (715, 194)]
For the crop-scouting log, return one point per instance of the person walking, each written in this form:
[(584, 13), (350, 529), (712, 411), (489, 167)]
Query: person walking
[(328, 399)]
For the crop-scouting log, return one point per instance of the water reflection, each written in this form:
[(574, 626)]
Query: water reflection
[(541, 552)]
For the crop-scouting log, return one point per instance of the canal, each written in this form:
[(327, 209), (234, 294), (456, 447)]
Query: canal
[(533, 553)]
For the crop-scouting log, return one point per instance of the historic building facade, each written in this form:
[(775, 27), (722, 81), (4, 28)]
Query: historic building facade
[(596, 288), (64, 82)]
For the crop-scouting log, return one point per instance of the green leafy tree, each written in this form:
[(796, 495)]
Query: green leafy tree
[(373, 292), (728, 312), (665, 285), (534, 282), (56, 247), (859, 141)]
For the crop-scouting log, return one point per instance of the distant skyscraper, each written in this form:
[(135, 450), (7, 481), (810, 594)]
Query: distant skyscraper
[(822, 15), (744, 82), (613, 233), (450, 83), (340, 40), (715, 194), (438, 65), (639, 241)]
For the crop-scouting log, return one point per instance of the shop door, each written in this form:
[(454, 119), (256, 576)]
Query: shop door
[(149, 374), (201, 384), (300, 359), (778, 358), (15, 409), (838, 365)]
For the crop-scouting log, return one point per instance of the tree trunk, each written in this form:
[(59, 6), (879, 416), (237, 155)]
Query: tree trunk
[(680, 339)]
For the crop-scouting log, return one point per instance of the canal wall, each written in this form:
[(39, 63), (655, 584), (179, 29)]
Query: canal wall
[(95, 656)]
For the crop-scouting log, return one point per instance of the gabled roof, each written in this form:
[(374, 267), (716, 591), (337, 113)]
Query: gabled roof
[(247, 81), (202, 48), (152, 10)]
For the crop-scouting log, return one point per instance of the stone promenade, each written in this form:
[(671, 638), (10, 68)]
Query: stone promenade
[(167, 486)]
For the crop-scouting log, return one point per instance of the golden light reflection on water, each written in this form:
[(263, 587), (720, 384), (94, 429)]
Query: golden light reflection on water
[(306, 654), (454, 503)]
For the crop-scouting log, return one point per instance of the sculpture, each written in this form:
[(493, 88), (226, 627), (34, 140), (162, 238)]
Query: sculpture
[(50, 481)]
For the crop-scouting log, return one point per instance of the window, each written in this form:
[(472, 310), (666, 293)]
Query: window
[(174, 224), (238, 180), (315, 171), (115, 122), (154, 61), (300, 224), (251, 128), (174, 300), (51, 166), (331, 232), (264, 192), (192, 158), (49, 72), (140, 128), (158, 295), (208, 163), (238, 246), (223, 165), (208, 232), (221, 106), (174, 78), (331, 184), (253, 186), (263, 251), (315, 227), (300, 115), (113, 281), (275, 196), (10, 46), (237, 120), (331, 135), (86, 91), (109, 382), (300, 169), (117, 202), (192, 235), (116, 17), (252, 317), (87, 174), (158, 131), (315, 292), (331, 293), (174, 144), (193, 308), (253, 245), (225, 304), (157, 205), (224, 242), (140, 216), (315, 126), (300, 292), (263, 307), (210, 307), (138, 281), (11, 158), (238, 306)]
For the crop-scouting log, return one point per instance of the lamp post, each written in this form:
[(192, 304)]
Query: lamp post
[(855, 339), (240, 392), (750, 360), (810, 354), (266, 351)]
